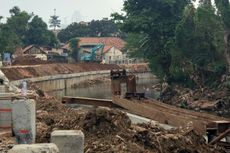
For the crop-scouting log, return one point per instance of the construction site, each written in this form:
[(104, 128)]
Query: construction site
[(32, 120)]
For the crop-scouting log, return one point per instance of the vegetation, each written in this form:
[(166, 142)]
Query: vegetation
[(74, 48), (95, 28), (54, 21), (22, 29), (182, 43), (156, 21)]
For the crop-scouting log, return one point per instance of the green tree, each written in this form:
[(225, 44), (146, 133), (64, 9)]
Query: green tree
[(1, 17), (74, 48), (20, 30), (156, 20), (95, 28), (15, 11), (223, 7), (8, 39), (199, 44), (72, 31), (103, 28), (39, 34), (54, 21), (18, 22)]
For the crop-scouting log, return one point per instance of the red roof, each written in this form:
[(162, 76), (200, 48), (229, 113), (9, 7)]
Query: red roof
[(109, 42), (107, 48)]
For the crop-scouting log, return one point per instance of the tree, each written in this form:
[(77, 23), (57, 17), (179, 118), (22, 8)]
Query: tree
[(156, 20), (199, 44), (1, 17), (223, 7), (18, 22), (103, 28), (54, 21), (8, 39), (15, 11), (95, 28), (39, 34), (74, 44), (20, 30), (72, 31)]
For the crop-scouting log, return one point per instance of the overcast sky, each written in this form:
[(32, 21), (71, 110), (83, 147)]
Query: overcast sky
[(68, 10)]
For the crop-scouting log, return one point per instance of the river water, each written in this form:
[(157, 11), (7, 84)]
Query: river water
[(103, 90)]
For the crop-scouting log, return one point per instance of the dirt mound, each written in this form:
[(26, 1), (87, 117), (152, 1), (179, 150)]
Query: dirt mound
[(6, 143), (28, 60), (22, 72)]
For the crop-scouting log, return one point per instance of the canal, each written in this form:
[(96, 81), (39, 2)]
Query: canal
[(103, 90)]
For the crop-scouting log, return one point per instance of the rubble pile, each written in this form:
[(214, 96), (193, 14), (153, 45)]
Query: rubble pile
[(6, 143), (216, 101), (110, 130)]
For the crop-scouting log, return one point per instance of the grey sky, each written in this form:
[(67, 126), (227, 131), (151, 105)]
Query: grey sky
[(68, 10)]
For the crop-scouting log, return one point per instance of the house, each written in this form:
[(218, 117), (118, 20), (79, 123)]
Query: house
[(51, 50), (113, 48), (32, 50)]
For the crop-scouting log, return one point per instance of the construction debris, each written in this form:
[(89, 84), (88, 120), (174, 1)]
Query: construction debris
[(109, 130)]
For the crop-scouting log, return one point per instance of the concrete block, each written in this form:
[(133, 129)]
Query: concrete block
[(24, 118), (68, 141), (35, 148), (6, 111)]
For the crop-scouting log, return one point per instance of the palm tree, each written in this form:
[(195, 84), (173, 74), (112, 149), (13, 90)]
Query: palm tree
[(54, 21)]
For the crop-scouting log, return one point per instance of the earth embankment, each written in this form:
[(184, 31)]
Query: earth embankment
[(23, 72)]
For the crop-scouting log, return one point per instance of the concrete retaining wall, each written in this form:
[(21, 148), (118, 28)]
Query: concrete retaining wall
[(63, 81)]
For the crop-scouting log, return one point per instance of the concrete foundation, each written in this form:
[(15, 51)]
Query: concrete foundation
[(23, 118), (35, 148), (135, 119), (68, 141)]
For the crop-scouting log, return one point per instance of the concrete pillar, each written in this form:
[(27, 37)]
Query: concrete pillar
[(131, 84), (68, 141), (24, 118), (116, 87), (35, 148)]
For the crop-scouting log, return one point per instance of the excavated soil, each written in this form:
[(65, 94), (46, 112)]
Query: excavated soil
[(29, 60), (110, 130), (22, 72)]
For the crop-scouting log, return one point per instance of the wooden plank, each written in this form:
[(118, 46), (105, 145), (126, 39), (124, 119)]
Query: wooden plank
[(88, 101), (221, 136), (167, 114)]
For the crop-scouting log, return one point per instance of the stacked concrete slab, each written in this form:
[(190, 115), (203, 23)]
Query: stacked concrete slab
[(68, 141), (35, 148), (24, 120), (6, 111)]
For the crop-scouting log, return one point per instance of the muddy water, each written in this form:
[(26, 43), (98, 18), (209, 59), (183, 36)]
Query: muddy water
[(103, 90)]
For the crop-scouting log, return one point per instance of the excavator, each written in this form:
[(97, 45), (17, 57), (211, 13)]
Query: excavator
[(92, 56)]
